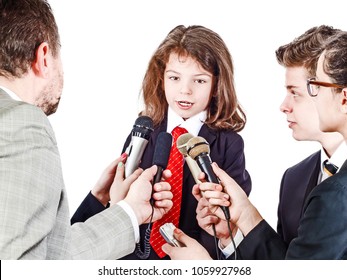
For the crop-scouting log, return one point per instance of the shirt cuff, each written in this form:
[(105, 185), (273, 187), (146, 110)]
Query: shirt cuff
[(126, 207), (228, 250)]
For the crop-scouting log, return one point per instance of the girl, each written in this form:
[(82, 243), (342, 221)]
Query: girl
[(189, 83)]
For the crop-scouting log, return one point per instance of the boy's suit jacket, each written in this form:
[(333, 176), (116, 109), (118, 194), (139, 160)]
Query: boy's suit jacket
[(317, 223)]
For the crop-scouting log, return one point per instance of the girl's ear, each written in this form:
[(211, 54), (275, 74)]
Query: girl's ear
[(41, 62)]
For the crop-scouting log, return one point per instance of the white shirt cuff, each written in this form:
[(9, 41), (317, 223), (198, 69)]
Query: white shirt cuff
[(228, 250), (126, 207)]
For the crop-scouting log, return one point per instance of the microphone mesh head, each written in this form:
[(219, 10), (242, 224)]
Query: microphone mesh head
[(162, 149), (196, 146), (143, 127), (182, 141)]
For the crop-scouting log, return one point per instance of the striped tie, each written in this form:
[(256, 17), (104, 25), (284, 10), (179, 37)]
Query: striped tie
[(329, 168), (175, 165)]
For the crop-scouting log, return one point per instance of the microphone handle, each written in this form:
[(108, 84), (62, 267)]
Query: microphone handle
[(135, 152), (204, 161), (156, 179)]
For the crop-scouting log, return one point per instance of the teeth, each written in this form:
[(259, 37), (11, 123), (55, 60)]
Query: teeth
[(185, 103)]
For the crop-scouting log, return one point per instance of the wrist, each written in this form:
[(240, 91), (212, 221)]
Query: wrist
[(101, 197), (249, 219)]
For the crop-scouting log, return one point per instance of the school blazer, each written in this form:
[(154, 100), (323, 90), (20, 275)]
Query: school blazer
[(34, 213), (320, 234)]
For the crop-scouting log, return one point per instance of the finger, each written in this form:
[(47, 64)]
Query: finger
[(162, 186), (120, 171), (168, 249), (166, 174), (196, 192), (210, 187), (182, 237), (216, 194), (132, 177)]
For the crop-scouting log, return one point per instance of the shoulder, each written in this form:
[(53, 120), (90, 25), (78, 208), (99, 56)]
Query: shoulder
[(308, 162), (20, 118), (225, 137)]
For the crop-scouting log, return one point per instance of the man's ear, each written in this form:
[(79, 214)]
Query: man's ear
[(344, 100), (41, 62)]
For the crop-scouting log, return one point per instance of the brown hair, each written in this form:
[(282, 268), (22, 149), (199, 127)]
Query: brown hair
[(24, 25), (335, 59), (209, 50), (305, 49)]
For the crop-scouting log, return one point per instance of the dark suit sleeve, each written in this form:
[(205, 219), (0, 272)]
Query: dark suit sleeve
[(322, 231), (262, 243), (88, 208)]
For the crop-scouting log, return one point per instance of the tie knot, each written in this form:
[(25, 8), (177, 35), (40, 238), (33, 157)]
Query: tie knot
[(329, 168), (177, 132)]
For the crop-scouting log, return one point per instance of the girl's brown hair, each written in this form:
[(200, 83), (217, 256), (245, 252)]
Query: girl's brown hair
[(209, 50)]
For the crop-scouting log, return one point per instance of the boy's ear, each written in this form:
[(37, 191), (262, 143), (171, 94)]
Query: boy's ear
[(344, 100), (40, 64)]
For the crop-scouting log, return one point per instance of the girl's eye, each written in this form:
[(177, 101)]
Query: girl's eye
[(174, 78), (200, 81)]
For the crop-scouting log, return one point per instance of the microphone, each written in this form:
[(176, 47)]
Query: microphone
[(160, 159), (181, 143), (140, 134), (161, 154), (199, 149)]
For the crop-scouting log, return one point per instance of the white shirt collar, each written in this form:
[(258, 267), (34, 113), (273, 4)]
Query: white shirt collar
[(193, 124), (11, 93), (337, 158)]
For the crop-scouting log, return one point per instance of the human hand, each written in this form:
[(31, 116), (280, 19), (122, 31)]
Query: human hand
[(207, 220), (193, 250), (242, 212), (101, 190), (140, 194)]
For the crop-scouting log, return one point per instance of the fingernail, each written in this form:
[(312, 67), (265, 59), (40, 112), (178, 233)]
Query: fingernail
[(177, 231), (124, 155), (120, 164)]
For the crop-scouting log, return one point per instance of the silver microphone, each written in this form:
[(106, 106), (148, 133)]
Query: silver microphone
[(140, 134)]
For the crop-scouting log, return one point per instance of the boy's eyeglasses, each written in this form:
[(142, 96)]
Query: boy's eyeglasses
[(313, 86)]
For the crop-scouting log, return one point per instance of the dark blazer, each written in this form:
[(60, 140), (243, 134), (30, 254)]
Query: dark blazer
[(227, 149), (322, 231), (297, 182)]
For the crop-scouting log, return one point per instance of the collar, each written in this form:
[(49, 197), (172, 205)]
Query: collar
[(338, 157), (192, 125), (11, 93)]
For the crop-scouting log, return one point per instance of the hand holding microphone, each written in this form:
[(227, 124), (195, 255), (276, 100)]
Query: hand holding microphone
[(199, 149)]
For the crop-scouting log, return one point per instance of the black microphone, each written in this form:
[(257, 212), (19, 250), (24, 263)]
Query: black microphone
[(199, 149), (161, 154), (140, 134), (160, 159), (181, 143)]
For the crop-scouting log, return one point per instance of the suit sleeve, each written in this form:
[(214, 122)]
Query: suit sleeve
[(262, 243), (322, 230)]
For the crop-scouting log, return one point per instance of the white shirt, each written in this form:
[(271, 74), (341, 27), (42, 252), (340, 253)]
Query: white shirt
[(11, 93), (192, 125)]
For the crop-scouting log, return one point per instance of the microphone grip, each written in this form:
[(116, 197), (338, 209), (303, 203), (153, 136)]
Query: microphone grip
[(157, 179), (204, 161)]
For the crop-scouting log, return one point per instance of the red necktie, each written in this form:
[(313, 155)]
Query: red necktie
[(175, 165)]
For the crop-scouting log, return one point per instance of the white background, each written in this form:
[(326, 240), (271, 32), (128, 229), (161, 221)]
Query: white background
[(106, 46)]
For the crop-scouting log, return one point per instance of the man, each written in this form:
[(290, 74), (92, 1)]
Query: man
[(34, 214), (299, 59)]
